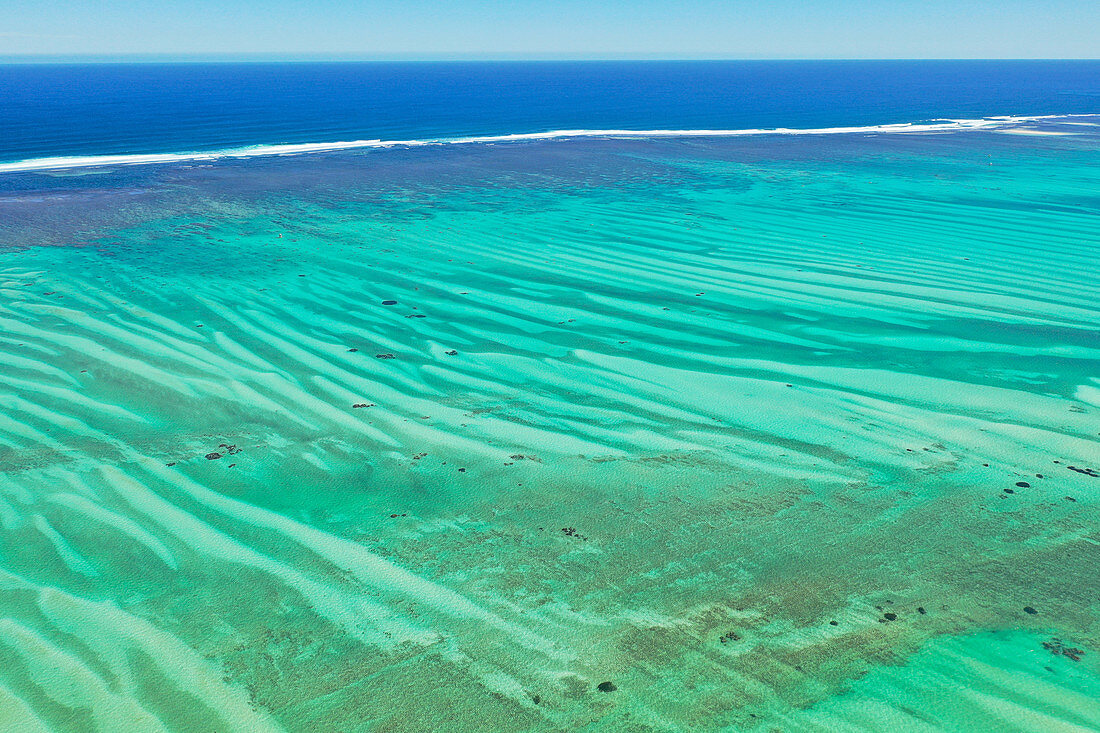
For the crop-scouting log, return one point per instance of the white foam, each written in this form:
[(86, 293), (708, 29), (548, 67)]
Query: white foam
[(98, 161)]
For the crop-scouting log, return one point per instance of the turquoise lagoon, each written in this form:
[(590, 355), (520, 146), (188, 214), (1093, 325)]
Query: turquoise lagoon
[(770, 433)]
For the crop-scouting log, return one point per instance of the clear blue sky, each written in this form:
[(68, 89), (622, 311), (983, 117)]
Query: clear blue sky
[(517, 28)]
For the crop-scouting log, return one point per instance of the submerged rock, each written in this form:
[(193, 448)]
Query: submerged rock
[(606, 687), (1060, 649)]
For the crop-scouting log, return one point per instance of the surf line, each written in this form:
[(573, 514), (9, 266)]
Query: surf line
[(99, 161)]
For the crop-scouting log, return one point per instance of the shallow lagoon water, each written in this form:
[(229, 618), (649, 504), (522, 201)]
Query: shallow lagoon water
[(769, 434)]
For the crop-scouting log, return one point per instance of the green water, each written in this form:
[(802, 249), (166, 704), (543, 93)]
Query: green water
[(726, 424)]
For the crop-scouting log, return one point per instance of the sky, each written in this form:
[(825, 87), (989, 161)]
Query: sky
[(554, 28)]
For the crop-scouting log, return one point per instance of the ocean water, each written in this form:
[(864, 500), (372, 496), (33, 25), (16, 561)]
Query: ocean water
[(66, 110), (744, 432)]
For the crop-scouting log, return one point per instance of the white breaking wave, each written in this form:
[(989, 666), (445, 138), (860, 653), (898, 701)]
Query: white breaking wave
[(96, 161)]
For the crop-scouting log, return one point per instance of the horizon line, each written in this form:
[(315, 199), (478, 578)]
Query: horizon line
[(412, 57)]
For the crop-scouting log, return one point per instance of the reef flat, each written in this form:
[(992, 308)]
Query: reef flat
[(653, 435)]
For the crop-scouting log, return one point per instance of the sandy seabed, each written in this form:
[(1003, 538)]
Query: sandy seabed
[(663, 435)]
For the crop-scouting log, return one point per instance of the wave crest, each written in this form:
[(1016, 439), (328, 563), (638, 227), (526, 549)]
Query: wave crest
[(97, 161)]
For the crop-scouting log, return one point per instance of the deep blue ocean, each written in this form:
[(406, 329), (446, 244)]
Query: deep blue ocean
[(103, 109)]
